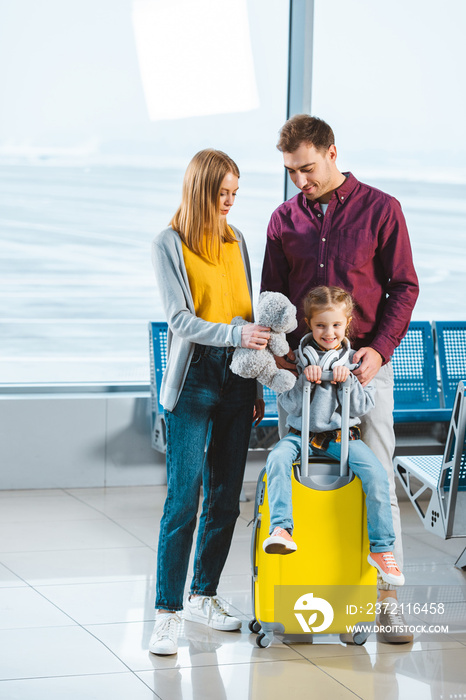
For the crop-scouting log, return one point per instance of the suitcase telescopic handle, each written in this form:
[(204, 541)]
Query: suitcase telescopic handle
[(345, 405)]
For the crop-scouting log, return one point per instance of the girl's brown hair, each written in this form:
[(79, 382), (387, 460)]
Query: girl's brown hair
[(322, 298), (197, 219)]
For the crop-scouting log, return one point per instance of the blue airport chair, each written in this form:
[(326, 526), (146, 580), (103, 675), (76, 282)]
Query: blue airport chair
[(417, 396), (271, 410), (451, 346), (416, 393), (158, 363)]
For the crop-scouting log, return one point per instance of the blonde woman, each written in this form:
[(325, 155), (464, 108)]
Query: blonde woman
[(203, 272)]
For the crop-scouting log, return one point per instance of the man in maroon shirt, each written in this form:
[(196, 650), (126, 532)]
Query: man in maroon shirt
[(339, 231)]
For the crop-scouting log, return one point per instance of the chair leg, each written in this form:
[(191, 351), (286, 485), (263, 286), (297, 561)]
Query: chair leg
[(460, 563), (418, 492)]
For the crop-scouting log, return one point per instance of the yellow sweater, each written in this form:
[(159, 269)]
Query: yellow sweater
[(219, 289)]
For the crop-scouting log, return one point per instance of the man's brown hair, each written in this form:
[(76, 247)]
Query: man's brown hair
[(304, 128)]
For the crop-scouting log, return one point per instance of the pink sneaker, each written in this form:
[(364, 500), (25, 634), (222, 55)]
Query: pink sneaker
[(387, 567), (280, 542)]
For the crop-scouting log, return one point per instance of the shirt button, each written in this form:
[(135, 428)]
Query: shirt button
[(342, 198), (319, 215), (324, 239), (321, 264)]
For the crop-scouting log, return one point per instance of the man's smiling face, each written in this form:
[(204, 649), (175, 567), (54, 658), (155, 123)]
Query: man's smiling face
[(313, 171)]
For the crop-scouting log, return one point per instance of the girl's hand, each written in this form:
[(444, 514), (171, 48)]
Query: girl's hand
[(254, 337), (340, 374), (313, 373)]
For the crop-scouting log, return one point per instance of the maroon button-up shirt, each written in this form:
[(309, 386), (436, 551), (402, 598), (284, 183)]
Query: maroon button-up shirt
[(361, 245)]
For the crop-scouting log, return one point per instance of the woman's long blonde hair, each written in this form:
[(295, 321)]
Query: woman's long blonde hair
[(197, 219)]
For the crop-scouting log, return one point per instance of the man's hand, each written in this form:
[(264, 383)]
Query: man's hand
[(258, 411), (254, 336), (313, 373), (287, 362), (370, 365)]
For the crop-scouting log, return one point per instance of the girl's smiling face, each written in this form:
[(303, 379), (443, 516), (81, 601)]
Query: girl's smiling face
[(329, 327)]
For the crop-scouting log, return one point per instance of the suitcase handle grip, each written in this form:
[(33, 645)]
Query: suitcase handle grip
[(254, 539), (326, 377)]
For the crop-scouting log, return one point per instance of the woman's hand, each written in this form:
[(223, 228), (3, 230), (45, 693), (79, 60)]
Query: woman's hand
[(254, 337), (340, 374), (313, 373), (258, 411)]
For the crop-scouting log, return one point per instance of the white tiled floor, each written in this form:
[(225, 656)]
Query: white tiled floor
[(77, 586)]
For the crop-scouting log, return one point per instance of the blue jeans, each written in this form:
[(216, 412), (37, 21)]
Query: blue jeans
[(363, 463), (207, 442)]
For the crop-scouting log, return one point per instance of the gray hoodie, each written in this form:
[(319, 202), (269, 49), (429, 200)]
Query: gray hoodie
[(325, 412), (185, 329)]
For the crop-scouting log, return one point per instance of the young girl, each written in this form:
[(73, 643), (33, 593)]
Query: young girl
[(327, 312)]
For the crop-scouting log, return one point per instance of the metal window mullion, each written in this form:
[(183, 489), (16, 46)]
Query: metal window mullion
[(300, 50)]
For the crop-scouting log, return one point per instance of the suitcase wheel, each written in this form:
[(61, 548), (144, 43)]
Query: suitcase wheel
[(254, 626), (264, 640), (360, 638)]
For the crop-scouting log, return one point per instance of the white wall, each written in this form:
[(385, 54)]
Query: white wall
[(70, 441)]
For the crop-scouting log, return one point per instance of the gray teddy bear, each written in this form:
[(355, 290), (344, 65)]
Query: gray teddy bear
[(275, 311)]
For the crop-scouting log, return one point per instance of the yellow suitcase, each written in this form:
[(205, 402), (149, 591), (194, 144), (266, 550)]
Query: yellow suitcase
[(326, 586)]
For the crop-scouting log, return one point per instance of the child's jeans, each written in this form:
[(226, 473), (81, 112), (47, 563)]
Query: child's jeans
[(363, 463)]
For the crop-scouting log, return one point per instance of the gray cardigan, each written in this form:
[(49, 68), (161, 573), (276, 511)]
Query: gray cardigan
[(184, 327), (325, 410)]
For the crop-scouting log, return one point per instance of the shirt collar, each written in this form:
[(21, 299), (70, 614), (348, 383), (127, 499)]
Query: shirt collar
[(341, 193)]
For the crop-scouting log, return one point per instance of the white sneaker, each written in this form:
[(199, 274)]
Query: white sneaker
[(209, 611), (164, 639)]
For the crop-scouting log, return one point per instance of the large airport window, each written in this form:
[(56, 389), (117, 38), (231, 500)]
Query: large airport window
[(104, 104), (389, 81)]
